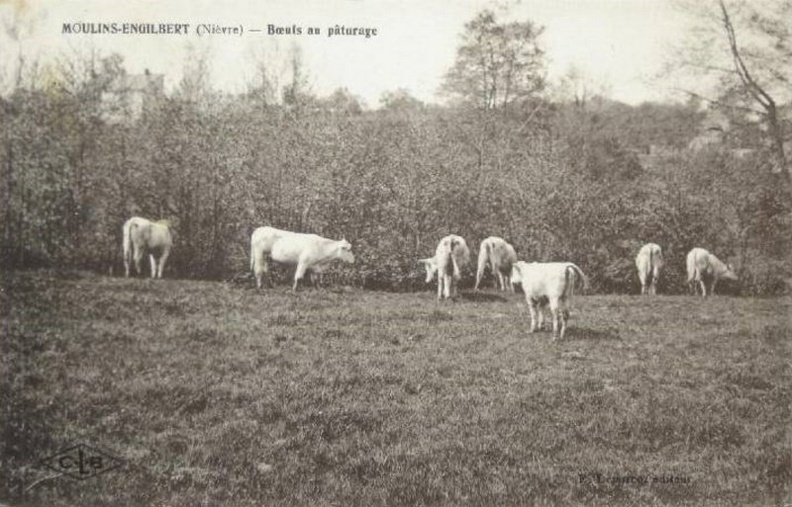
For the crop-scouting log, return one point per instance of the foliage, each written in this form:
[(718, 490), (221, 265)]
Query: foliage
[(744, 51), (559, 181), (497, 63)]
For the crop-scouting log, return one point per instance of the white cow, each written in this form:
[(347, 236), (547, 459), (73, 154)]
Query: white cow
[(649, 263), (704, 268), (548, 283), (143, 236), (451, 256), (311, 253), (499, 256)]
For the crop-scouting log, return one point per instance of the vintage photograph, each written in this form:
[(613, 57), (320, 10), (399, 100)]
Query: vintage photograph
[(396, 253)]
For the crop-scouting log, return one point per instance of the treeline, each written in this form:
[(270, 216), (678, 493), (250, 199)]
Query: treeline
[(561, 181)]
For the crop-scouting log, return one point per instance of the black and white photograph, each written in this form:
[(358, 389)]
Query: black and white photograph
[(396, 253)]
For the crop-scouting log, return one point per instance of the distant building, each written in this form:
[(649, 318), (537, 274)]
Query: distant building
[(712, 132), (131, 94)]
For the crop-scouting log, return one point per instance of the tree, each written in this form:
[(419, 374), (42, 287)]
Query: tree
[(342, 101), (497, 63), (400, 100), (747, 48), (578, 87)]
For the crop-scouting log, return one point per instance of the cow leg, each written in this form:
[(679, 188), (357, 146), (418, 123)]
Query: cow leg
[(264, 273), (655, 280), (712, 287), (299, 274), (563, 316), (138, 257), (558, 320), (162, 259), (448, 287), (126, 265), (153, 262), (703, 286), (260, 270), (532, 307)]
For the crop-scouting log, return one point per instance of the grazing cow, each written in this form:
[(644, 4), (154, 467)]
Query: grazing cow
[(143, 236), (548, 283), (649, 263), (451, 255), (311, 253), (704, 268), (500, 256)]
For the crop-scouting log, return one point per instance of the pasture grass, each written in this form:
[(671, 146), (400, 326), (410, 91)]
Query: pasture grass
[(216, 394)]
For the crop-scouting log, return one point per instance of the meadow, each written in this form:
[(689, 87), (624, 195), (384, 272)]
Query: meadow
[(216, 394)]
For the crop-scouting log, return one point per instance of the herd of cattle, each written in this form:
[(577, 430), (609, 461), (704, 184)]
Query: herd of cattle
[(549, 284)]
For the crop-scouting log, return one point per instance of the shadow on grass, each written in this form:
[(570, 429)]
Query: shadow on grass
[(482, 297), (588, 334)]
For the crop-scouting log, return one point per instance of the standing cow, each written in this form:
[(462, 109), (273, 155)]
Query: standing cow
[(311, 253), (499, 256), (451, 255), (704, 268), (551, 284), (142, 236), (649, 262)]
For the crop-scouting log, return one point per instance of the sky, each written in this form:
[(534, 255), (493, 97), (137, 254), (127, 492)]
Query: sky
[(621, 44)]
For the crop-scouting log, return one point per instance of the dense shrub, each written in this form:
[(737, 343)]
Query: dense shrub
[(557, 182)]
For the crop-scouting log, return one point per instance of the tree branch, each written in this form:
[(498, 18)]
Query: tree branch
[(756, 91)]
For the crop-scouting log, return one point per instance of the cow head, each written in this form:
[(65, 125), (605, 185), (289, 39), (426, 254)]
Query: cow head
[(431, 268), (344, 251), (729, 274), (515, 275)]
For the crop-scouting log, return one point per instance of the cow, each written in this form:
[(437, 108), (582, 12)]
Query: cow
[(451, 255), (649, 262), (142, 236), (548, 283), (704, 268), (499, 256), (311, 253)]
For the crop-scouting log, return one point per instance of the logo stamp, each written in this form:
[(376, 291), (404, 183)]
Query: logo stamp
[(82, 461)]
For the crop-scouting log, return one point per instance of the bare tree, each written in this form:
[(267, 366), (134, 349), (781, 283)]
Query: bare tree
[(746, 48)]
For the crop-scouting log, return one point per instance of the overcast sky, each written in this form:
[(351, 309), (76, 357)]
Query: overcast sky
[(621, 43)]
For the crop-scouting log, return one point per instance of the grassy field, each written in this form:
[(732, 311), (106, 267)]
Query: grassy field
[(214, 394)]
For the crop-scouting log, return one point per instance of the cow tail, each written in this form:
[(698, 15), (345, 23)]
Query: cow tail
[(572, 268), (657, 258)]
